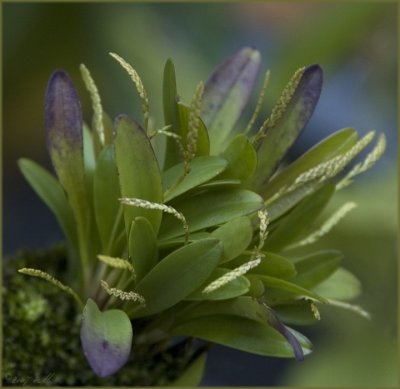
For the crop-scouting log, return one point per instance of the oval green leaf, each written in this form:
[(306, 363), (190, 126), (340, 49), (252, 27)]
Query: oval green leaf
[(210, 209), (106, 193), (236, 236), (241, 157), (278, 290), (274, 265), (106, 338), (202, 170), (242, 334), (178, 275), (317, 267), (50, 191), (143, 249), (299, 220), (139, 174), (341, 285)]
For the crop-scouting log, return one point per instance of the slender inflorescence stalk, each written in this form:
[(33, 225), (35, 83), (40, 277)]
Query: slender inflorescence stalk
[(368, 162), (263, 233), (117, 263), (328, 225), (161, 207), (233, 274), (122, 295), (138, 84), (259, 103), (280, 107), (52, 280), (96, 102), (332, 167), (255, 260), (194, 122)]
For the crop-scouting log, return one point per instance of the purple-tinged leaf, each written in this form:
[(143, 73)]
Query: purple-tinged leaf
[(291, 122), (227, 93), (106, 338), (63, 124), (276, 323)]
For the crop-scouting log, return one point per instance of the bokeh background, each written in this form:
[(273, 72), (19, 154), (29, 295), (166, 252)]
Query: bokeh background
[(355, 42)]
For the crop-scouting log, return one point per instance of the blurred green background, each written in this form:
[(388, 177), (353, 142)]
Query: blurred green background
[(356, 44)]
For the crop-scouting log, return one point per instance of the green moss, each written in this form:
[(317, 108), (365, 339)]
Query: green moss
[(41, 335)]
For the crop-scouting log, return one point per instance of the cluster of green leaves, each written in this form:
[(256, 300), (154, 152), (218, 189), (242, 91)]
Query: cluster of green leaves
[(203, 243)]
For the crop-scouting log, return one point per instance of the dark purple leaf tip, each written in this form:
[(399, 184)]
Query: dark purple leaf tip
[(308, 92), (63, 115)]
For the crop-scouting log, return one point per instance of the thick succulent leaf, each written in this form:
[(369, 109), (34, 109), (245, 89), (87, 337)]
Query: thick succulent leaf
[(278, 289), (242, 334), (193, 374), (202, 170), (106, 193), (330, 147), (178, 275), (236, 236), (106, 338), (171, 114), (203, 141), (274, 265), (341, 285), (210, 209), (317, 267), (63, 124), (278, 139), (52, 194), (241, 157), (143, 249), (139, 174), (299, 221), (226, 94), (234, 288)]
